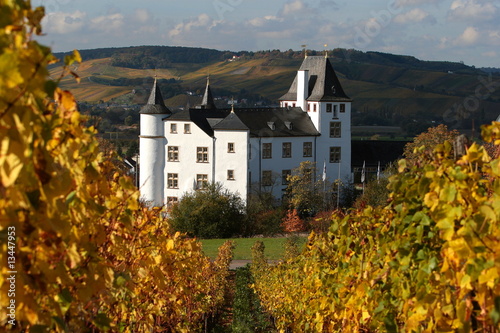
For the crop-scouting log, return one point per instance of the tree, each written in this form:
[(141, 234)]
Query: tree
[(424, 143), (292, 222), (212, 212), (376, 192), (305, 192)]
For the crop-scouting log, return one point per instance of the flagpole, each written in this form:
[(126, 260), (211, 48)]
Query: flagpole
[(378, 171), (363, 177), (338, 188), (324, 183)]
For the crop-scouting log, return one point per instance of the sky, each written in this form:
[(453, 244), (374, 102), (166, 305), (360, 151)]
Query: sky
[(449, 30)]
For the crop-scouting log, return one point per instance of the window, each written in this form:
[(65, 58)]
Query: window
[(308, 107), (284, 176), (230, 174), (335, 113), (172, 201), (230, 147), (187, 128), (287, 149), (335, 129), (342, 108), (173, 154), (267, 150), (328, 107), (173, 128), (308, 149), (201, 181), (267, 178), (172, 180), (202, 154), (334, 154), (314, 107)]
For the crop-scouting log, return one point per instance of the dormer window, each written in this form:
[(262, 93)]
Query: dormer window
[(289, 125), (271, 125)]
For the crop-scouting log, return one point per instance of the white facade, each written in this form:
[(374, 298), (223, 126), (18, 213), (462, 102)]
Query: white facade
[(248, 149)]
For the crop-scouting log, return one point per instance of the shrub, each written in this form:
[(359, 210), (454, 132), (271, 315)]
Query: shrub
[(213, 212)]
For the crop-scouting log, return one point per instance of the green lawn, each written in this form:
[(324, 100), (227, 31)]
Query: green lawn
[(243, 250)]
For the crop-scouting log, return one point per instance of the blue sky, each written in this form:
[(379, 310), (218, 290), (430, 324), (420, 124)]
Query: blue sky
[(452, 30)]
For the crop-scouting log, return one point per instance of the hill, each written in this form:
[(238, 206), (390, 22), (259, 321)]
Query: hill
[(387, 89)]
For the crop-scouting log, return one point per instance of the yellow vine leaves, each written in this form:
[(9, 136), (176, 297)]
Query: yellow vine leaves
[(427, 262), (85, 254)]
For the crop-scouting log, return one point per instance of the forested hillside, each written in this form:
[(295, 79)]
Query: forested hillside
[(387, 89)]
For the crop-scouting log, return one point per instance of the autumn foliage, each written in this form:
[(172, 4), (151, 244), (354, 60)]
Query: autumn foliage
[(88, 256), (428, 261), (292, 222)]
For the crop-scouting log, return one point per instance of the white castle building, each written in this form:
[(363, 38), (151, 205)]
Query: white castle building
[(248, 148)]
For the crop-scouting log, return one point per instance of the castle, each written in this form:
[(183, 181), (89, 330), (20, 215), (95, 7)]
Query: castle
[(246, 148)]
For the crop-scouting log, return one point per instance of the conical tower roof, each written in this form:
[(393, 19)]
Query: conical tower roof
[(155, 104), (207, 101)]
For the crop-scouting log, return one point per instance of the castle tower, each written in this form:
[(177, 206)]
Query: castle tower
[(317, 90), (152, 148)]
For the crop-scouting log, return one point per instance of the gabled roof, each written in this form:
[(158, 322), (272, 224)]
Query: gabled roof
[(254, 120), (324, 84), (155, 104), (232, 122)]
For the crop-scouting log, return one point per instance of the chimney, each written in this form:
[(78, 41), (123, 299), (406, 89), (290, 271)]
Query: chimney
[(302, 89)]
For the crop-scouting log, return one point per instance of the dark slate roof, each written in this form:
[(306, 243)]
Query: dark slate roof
[(207, 102), (256, 120), (231, 122), (373, 151), (324, 84), (155, 104)]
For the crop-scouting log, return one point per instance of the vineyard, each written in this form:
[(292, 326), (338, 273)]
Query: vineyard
[(429, 261), (78, 252)]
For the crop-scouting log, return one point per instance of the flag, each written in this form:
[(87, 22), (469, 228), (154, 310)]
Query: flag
[(378, 171), (363, 173), (324, 170)]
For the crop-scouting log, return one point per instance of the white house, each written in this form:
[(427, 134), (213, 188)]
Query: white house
[(246, 148)]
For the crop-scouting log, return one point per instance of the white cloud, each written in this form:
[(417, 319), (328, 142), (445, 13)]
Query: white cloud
[(293, 7), (64, 23), (413, 16), (404, 3), (141, 15), (203, 21), (470, 36), (108, 23), (263, 21), (472, 10)]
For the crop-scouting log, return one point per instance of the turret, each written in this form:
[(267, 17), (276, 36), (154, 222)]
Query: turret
[(207, 102), (152, 148)]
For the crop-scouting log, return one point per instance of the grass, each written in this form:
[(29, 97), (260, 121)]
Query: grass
[(274, 247)]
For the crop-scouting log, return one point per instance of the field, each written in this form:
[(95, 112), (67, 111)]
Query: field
[(275, 247)]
